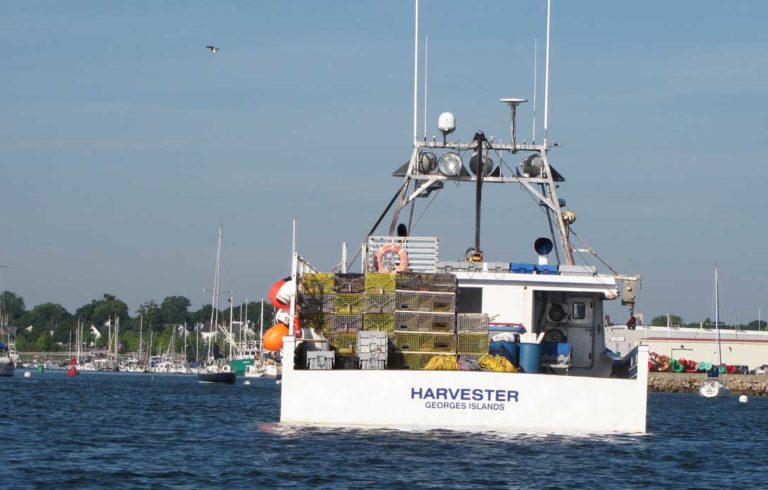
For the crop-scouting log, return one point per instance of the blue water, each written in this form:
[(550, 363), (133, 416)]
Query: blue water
[(115, 430)]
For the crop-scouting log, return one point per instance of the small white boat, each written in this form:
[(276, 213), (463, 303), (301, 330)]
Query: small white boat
[(714, 388)]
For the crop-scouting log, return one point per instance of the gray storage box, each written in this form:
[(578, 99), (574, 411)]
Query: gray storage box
[(373, 360), (320, 359), (372, 343)]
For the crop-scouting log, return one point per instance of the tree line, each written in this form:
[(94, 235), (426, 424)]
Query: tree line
[(50, 327)]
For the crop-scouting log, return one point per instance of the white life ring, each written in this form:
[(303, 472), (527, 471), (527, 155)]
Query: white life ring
[(391, 248)]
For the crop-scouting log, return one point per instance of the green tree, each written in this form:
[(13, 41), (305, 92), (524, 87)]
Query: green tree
[(661, 321), (174, 310), (97, 312), (152, 315), (44, 317), (755, 325), (11, 307), (203, 315), (254, 313)]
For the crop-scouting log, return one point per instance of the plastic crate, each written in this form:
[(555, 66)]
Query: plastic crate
[(473, 343), (316, 303), (424, 342), (432, 302), (349, 283), (346, 323), (522, 268), (320, 359), (556, 352), (380, 303), (317, 283), (345, 344), (425, 322), (379, 283), (472, 323), (382, 322), (348, 304), (372, 343), (373, 361), (546, 268)]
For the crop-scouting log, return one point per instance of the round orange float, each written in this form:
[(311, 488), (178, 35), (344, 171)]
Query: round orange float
[(273, 337)]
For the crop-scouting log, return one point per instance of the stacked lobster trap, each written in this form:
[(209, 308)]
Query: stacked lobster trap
[(401, 320)]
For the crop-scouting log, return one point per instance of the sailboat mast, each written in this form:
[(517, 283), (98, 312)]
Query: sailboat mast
[(214, 298), (141, 331), (717, 319), (261, 332)]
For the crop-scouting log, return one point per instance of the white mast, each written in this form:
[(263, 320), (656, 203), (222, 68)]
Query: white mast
[(426, 76), (416, 77), (231, 311), (535, 68), (546, 83), (214, 298), (141, 332), (717, 319), (261, 333)]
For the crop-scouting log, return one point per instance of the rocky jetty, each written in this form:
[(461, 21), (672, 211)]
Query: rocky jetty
[(739, 384)]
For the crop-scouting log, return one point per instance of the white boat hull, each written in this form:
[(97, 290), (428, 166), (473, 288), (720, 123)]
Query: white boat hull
[(466, 399), (714, 389)]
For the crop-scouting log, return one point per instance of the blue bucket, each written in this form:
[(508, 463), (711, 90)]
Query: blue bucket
[(507, 349), (530, 356)]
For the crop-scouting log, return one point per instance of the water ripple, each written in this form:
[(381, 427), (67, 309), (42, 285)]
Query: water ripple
[(115, 430)]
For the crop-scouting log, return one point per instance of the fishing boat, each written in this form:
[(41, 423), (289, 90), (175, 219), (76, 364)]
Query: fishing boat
[(713, 386), (410, 341), (216, 369)]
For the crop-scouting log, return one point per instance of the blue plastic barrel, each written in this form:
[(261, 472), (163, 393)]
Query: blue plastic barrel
[(530, 355), (507, 349)]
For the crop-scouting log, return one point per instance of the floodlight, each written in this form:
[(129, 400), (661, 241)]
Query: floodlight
[(450, 164)]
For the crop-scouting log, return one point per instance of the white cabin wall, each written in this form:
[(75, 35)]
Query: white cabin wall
[(508, 304)]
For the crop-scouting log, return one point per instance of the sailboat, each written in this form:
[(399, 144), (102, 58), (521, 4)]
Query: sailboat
[(213, 371), (713, 386), (72, 368)]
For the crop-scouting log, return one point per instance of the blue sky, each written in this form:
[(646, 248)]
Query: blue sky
[(123, 142)]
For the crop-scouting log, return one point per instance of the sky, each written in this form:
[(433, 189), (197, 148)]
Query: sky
[(124, 142)]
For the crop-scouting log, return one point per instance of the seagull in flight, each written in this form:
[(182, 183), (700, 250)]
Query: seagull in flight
[(213, 49)]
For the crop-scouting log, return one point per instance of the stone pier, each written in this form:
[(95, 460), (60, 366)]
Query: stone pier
[(739, 384)]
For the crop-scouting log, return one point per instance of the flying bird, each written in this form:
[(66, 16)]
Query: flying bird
[(213, 49)]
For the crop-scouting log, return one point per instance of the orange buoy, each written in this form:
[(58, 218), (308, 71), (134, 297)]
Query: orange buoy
[(275, 297), (273, 338)]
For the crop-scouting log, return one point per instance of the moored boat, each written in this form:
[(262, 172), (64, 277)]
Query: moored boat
[(411, 340)]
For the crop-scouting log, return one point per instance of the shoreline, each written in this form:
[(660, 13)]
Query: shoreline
[(739, 384)]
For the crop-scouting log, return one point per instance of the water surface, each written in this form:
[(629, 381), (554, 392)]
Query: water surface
[(116, 430)]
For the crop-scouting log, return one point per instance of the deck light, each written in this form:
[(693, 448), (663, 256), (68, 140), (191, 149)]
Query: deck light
[(427, 162), (450, 164), (487, 164)]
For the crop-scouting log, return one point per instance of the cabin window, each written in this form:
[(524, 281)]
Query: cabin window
[(469, 300), (579, 311)]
